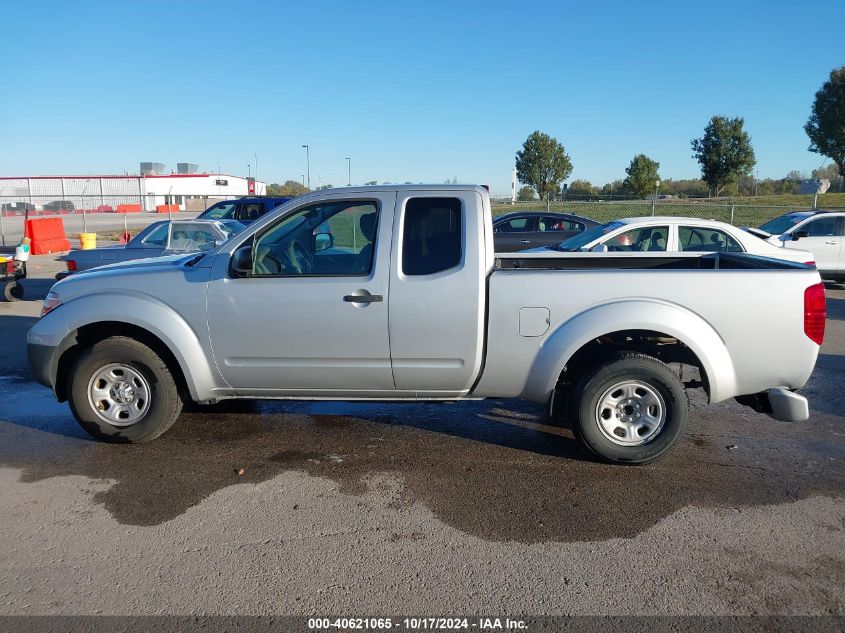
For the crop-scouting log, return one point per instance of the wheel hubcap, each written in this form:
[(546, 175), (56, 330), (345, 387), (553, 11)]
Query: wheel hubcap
[(119, 394), (630, 413)]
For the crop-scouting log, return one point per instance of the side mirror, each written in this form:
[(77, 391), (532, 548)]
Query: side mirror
[(322, 241), (599, 248), (242, 261), (799, 234)]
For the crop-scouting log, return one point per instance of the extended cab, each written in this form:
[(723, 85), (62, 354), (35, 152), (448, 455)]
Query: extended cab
[(395, 294)]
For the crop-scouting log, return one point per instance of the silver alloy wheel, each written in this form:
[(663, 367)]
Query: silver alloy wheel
[(119, 394), (630, 413)]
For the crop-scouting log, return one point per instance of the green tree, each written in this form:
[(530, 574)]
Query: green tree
[(525, 194), (542, 163), (615, 188), (581, 188), (826, 125), (724, 152), (290, 188), (642, 176)]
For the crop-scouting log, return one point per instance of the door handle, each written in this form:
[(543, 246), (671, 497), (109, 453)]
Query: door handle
[(363, 298), (831, 242), (524, 241)]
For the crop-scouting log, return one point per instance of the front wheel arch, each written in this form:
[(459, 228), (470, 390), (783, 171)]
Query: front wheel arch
[(88, 335)]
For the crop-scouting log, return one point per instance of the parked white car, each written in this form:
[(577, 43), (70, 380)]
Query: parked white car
[(818, 231), (675, 234)]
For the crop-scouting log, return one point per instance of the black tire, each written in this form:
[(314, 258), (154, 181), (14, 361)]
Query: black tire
[(164, 405), (13, 291), (642, 369)]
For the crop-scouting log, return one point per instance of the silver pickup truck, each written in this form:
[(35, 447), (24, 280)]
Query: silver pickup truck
[(395, 294)]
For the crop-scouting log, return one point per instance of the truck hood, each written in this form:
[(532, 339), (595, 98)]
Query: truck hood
[(145, 264), (144, 276)]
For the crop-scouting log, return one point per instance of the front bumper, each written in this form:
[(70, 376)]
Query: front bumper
[(40, 363)]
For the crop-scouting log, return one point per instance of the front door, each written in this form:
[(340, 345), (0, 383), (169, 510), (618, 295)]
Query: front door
[(515, 234), (824, 240), (311, 319)]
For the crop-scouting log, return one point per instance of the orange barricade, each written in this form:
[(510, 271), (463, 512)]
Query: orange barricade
[(47, 235), (167, 208), (129, 208)]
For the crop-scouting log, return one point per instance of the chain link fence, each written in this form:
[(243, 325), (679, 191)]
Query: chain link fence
[(76, 202), (81, 209), (606, 211)]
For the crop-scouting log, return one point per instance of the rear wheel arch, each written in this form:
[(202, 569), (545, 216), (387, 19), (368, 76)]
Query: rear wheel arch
[(643, 326)]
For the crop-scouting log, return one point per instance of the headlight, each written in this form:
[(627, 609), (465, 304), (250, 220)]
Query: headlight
[(51, 302)]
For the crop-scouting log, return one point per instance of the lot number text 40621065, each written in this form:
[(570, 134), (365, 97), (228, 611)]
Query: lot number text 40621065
[(417, 624)]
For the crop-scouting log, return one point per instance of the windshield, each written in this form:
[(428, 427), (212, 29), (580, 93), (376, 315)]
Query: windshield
[(220, 211), (579, 241), (781, 225), (230, 227)]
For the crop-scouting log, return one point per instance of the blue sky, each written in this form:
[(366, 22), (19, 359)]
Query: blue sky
[(418, 91)]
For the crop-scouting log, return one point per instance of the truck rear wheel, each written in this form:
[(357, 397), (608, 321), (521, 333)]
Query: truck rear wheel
[(121, 391), (632, 409)]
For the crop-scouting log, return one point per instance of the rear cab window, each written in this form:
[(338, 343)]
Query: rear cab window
[(432, 238)]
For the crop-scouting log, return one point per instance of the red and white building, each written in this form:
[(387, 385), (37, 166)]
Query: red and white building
[(190, 191)]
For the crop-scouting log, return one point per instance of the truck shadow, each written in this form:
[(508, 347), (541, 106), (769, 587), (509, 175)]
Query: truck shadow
[(490, 469)]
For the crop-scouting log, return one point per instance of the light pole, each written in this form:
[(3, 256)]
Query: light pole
[(248, 171), (256, 165), (308, 164), (654, 201), (348, 171), (84, 216), (2, 212)]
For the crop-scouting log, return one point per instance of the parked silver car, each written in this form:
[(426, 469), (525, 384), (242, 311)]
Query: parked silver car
[(159, 238)]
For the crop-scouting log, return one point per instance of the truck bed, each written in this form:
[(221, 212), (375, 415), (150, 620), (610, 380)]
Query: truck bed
[(745, 311)]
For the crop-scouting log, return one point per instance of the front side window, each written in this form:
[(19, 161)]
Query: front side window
[(250, 211), (327, 238), (647, 238), (703, 239), (431, 236), (514, 225), (822, 227)]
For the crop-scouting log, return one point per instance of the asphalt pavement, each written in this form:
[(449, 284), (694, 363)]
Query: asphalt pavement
[(362, 509)]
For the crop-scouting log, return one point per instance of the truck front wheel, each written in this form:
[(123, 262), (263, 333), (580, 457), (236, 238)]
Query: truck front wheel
[(121, 391), (632, 409)]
